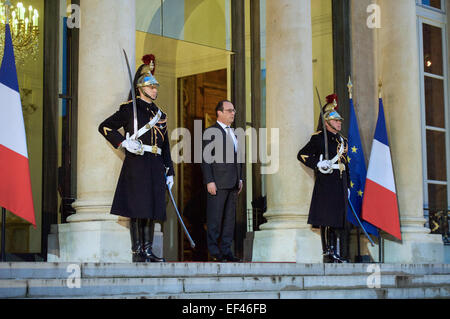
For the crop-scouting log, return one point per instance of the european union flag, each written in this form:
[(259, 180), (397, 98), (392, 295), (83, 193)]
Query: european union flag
[(358, 172)]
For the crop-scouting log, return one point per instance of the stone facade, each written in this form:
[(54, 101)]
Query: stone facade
[(286, 237)]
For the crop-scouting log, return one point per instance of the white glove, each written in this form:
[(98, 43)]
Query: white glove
[(324, 166), (169, 182), (132, 146)]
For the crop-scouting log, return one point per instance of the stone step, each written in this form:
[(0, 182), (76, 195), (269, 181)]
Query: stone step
[(182, 270), (383, 293), (389, 293), (152, 287), (223, 280)]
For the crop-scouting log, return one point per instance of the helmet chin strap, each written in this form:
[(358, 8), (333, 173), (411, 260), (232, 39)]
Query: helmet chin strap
[(333, 127), (148, 96)]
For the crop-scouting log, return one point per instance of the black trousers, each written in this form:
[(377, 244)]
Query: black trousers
[(221, 217)]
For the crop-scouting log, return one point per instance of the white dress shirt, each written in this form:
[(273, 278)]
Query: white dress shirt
[(229, 131)]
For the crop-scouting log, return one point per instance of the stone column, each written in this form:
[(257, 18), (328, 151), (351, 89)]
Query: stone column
[(287, 237), (93, 234), (398, 65)]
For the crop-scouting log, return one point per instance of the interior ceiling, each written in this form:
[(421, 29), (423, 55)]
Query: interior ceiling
[(173, 53)]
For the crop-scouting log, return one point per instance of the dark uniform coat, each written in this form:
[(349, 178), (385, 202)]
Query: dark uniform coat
[(141, 188), (329, 199)]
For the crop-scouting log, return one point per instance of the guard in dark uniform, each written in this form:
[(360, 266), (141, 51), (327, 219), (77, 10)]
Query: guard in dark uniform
[(329, 200), (140, 193)]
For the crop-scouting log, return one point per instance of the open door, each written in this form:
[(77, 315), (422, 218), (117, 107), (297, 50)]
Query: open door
[(199, 95)]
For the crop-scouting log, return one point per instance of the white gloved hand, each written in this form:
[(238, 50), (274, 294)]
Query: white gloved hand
[(324, 166), (132, 146), (169, 182)]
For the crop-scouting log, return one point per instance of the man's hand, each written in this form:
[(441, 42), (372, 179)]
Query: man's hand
[(241, 185), (212, 189), (132, 146), (169, 182), (324, 166)]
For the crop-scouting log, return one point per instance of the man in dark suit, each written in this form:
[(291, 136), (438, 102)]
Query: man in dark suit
[(222, 175)]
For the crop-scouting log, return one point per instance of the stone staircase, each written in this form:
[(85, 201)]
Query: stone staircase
[(224, 281)]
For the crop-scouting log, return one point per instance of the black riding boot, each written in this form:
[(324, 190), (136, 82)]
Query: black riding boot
[(148, 227), (136, 241), (325, 248), (344, 243), (333, 247)]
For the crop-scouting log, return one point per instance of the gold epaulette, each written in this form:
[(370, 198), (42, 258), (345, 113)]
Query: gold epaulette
[(126, 102), (317, 133)]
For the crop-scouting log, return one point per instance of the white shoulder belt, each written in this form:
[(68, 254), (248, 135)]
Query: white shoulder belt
[(147, 127), (338, 155)]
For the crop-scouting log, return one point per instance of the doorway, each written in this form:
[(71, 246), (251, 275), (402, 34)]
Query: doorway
[(199, 95)]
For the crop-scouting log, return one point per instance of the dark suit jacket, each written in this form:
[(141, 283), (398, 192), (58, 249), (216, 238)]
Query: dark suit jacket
[(225, 173)]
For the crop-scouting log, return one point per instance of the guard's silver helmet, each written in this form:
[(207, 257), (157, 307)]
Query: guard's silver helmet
[(330, 112), (146, 78)]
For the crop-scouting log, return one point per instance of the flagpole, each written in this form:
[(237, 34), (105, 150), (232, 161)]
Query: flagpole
[(3, 256), (7, 5), (358, 233), (380, 258), (380, 240), (358, 242)]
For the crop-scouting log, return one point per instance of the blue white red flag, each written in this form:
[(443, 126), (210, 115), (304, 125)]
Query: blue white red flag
[(380, 206), (15, 182)]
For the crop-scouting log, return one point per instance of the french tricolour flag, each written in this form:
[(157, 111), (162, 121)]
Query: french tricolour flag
[(380, 206), (15, 183)]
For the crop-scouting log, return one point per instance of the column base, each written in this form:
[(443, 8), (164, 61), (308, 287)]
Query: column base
[(287, 245), (95, 241), (415, 248), (446, 254)]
